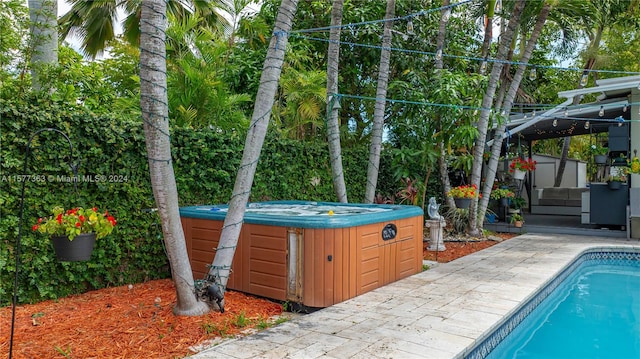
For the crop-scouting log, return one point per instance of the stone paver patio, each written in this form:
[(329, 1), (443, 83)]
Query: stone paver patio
[(438, 313)]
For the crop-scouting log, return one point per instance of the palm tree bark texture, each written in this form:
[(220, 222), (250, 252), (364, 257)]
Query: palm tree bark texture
[(265, 98), (487, 105), (378, 113), (155, 116), (333, 122)]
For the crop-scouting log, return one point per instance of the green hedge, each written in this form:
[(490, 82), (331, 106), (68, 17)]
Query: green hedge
[(205, 163)]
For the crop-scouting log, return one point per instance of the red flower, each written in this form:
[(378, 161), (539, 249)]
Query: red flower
[(522, 165), (75, 221), (34, 228)]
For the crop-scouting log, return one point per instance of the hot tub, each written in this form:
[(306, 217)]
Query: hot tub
[(312, 253)]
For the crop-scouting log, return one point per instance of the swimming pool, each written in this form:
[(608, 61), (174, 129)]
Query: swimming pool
[(590, 310)]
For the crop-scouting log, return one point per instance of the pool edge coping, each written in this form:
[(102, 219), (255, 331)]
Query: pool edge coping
[(557, 276)]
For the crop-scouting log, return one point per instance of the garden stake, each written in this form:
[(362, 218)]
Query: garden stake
[(74, 168)]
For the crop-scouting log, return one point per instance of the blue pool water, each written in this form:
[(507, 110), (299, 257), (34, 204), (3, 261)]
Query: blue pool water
[(595, 315), (590, 310)]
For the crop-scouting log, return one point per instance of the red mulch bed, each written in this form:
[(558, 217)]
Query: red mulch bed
[(137, 321), (457, 249), (125, 322)]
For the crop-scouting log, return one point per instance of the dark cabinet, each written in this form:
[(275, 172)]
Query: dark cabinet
[(608, 206), (619, 139)]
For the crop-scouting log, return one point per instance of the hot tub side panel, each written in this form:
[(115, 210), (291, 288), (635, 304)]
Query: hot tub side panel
[(202, 237), (266, 271), (329, 265), (342, 263), (384, 261), (259, 265)]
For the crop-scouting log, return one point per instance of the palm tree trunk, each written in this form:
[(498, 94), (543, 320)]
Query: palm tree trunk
[(333, 124), (443, 169), (488, 30), (155, 115), (442, 32), (490, 175), (378, 113), (487, 104), (265, 98), (43, 15)]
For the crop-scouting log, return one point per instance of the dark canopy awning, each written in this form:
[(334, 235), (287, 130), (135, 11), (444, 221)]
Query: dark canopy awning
[(567, 119)]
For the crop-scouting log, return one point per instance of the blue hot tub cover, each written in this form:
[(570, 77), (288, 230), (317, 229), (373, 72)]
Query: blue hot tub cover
[(304, 214)]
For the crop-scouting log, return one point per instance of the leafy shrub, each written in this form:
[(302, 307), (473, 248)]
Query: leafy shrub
[(457, 218), (113, 174)]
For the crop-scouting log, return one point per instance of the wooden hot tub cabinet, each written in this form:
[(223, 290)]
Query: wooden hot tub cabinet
[(316, 267)]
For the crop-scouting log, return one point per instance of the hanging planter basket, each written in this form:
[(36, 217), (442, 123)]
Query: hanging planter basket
[(600, 159), (77, 250), (519, 174), (462, 203)]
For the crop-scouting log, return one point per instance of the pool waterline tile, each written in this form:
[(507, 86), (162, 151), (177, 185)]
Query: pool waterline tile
[(492, 338)]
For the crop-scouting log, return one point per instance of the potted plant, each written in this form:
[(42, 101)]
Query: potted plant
[(504, 195), (462, 195), (615, 181), (516, 204), (519, 166), (74, 231), (621, 160), (599, 153), (517, 220)]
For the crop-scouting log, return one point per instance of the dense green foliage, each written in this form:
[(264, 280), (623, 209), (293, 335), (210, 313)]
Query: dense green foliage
[(213, 78), (205, 162), (101, 146)]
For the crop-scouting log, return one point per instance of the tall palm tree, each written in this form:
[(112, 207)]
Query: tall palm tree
[(443, 168), (488, 29), (155, 115), (333, 121), (44, 37), (506, 107), (265, 98), (378, 112), (487, 105)]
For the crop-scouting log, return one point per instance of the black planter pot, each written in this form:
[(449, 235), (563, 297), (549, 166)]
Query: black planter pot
[(462, 203), (77, 250), (614, 185), (600, 159)]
